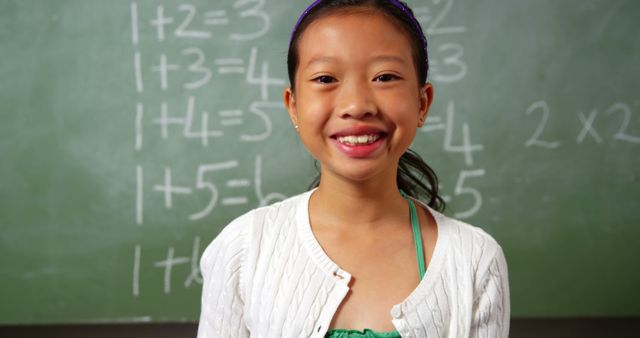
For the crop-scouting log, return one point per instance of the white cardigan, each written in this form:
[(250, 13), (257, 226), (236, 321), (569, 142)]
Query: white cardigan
[(265, 275)]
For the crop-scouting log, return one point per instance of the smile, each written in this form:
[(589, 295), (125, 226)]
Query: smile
[(353, 140), (360, 146)]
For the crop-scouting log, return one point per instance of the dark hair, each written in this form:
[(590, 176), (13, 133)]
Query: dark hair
[(412, 170)]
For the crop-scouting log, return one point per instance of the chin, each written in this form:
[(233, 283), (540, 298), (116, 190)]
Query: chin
[(357, 172)]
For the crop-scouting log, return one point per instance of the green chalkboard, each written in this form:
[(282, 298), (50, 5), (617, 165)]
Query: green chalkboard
[(133, 131)]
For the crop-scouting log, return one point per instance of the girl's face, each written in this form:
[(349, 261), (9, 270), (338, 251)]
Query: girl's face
[(357, 101)]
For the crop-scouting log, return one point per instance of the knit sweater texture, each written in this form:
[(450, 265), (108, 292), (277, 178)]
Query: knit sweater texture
[(266, 275)]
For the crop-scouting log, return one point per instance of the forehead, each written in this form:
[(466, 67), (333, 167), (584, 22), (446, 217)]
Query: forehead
[(354, 35)]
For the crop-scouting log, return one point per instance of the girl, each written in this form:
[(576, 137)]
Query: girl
[(359, 255)]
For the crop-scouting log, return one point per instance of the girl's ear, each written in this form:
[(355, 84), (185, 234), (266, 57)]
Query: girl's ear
[(290, 103), (426, 98)]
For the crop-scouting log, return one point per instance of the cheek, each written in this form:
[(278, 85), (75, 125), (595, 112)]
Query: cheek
[(313, 112), (403, 109), (311, 117)]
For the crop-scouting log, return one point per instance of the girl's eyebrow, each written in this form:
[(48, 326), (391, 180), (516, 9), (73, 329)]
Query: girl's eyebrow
[(379, 58), (321, 59), (389, 58)]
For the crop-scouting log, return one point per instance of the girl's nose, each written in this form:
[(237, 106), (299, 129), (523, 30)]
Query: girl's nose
[(356, 100)]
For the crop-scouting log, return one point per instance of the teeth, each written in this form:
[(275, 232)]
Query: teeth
[(358, 140)]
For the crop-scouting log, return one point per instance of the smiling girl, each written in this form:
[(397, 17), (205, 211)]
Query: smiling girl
[(361, 254)]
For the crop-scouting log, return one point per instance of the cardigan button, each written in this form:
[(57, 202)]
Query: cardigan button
[(396, 312)]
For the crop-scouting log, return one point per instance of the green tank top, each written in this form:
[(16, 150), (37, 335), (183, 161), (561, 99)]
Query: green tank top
[(417, 238)]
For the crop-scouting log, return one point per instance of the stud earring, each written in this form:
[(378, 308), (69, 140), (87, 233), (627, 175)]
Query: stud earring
[(296, 126)]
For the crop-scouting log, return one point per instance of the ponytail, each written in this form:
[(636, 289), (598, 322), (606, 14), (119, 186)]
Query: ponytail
[(416, 178)]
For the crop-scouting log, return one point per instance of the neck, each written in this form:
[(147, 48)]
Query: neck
[(361, 205)]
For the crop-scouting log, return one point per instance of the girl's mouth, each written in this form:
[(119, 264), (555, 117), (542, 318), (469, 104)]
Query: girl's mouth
[(359, 146), (353, 140)]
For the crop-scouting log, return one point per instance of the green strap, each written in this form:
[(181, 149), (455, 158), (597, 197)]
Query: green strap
[(417, 238), (366, 333)]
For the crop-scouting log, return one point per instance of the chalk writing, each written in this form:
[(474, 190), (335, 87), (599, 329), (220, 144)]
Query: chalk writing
[(189, 22), (216, 18), (163, 68), (535, 140), (139, 195), (134, 24), (230, 66), (202, 183), (452, 62), (434, 21), (204, 133), (136, 272), (183, 30), (138, 72), (166, 265), (466, 147), (198, 68), (446, 63), (254, 14), (194, 275), (461, 189), (587, 127), (205, 182), (262, 79), (259, 126), (626, 120), (587, 124), (168, 189), (463, 193)]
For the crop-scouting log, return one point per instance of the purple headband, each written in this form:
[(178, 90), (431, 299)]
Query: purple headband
[(396, 3)]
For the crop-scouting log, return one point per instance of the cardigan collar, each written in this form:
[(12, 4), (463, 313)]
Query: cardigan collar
[(311, 244)]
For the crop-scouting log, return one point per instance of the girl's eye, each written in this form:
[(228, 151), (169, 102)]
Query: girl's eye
[(324, 79), (386, 78)]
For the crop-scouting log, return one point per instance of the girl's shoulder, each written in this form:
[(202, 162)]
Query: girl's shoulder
[(289, 210), (252, 224), (243, 237), (281, 210)]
